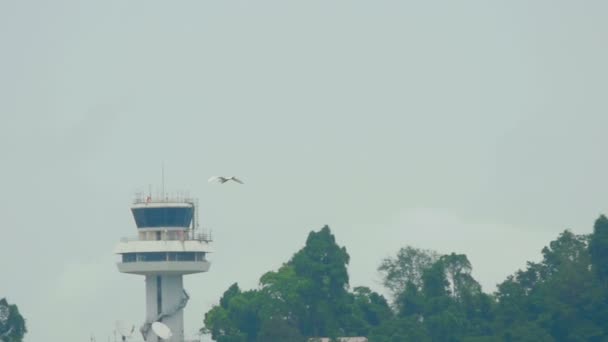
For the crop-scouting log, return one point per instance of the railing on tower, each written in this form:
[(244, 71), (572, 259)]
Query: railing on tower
[(179, 197), (195, 223), (205, 236)]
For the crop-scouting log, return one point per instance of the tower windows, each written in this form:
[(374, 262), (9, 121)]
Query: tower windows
[(163, 256)]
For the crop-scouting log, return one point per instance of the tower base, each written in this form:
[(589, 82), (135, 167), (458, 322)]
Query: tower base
[(165, 300)]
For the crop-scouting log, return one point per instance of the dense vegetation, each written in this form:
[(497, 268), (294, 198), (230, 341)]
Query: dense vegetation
[(12, 324), (433, 297)]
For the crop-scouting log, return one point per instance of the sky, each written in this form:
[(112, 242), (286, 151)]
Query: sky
[(473, 127)]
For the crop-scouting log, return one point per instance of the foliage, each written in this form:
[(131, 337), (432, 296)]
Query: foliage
[(564, 297), (279, 330), (407, 267), (306, 297), (598, 248), (13, 329)]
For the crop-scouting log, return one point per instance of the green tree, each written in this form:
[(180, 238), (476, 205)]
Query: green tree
[(447, 325), (408, 329), (286, 292), (232, 292), (279, 330), (411, 301), (323, 262), (569, 290), (458, 274), (12, 324), (435, 283), (309, 293), (442, 316), (558, 297), (406, 267), (369, 310), (439, 293), (324, 265), (598, 248), (435, 298), (236, 319), (526, 332)]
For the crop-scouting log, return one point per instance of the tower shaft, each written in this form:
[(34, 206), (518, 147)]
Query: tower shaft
[(165, 298)]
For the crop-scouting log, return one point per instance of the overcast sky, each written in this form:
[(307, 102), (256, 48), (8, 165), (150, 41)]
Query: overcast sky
[(477, 127)]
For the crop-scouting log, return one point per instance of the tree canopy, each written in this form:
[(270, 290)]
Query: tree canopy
[(12, 324), (308, 296), (433, 297)]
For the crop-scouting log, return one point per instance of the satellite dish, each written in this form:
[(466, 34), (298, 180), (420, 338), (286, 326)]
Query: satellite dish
[(124, 329), (161, 330)]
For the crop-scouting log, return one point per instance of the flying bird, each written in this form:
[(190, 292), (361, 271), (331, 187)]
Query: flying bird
[(223, 180)]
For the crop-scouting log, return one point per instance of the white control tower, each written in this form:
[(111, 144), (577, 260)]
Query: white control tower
[(166, 248)]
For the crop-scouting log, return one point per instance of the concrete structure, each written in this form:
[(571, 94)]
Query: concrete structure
[(166, 248)]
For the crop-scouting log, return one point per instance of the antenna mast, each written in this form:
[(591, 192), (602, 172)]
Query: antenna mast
[(162, 180)]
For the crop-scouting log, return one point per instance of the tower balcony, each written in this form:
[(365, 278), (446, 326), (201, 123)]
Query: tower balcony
[(163, 267), (166, 256)]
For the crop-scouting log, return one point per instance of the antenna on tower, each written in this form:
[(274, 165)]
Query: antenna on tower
[(162, 193), (125, 330)]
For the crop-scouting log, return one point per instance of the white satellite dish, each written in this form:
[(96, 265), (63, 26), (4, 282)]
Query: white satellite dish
[(161, 330), (124, 329)]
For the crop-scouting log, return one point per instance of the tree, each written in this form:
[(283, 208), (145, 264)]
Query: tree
[(411, 301), (446, 325), (236, 319), (232, 292), (434, 281), (564, 297), (458, 274), (598, 248), (309, 293), (370, 308), (324, 266), (439, 293), (12, 324), (526, 332), (279, 330), (323, 262), (407, 267), (401, 330), (557, 299), (285, 290)]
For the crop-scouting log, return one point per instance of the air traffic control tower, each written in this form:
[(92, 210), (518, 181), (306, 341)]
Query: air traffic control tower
[(167, 247)]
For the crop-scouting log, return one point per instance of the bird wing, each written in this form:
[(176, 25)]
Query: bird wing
[(237, 180), (214, 179)]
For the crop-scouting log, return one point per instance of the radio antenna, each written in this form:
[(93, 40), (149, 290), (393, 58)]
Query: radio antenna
[(163, 180)]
